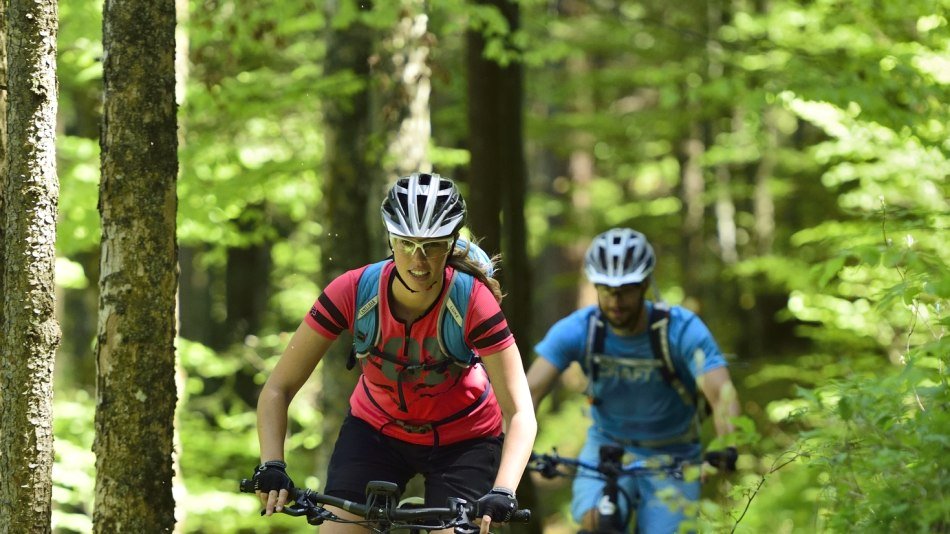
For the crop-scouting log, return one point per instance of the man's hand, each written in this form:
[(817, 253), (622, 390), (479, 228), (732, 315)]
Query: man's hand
[(719, 461)]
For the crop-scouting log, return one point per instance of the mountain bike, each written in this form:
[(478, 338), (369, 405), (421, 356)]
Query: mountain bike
[(383, 511), (611, 469)]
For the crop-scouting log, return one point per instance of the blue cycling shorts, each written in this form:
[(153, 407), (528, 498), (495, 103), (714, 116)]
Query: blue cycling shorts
[(662, 501)]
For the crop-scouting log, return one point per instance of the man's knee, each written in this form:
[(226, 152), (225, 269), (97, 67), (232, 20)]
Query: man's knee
[(593, 523)]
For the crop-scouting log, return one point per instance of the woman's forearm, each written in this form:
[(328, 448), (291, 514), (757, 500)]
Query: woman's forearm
[(519, 439), (272, 424)]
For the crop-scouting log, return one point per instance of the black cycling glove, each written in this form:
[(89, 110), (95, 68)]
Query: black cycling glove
[(270, 476), (724, 459), (498, 504)]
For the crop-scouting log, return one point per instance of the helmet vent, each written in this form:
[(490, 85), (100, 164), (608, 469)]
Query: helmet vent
[(423, 206), (628, 259), (618, 257)]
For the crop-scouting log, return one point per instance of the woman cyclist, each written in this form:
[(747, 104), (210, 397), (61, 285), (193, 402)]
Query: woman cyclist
[(417, 409)]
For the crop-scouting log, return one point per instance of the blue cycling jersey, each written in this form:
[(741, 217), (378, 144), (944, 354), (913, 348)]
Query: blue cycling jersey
[(634, 401)]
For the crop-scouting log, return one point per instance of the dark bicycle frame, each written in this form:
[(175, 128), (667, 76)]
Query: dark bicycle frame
[(382, 512)]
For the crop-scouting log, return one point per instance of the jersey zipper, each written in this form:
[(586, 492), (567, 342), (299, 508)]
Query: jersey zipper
[(399, 384)]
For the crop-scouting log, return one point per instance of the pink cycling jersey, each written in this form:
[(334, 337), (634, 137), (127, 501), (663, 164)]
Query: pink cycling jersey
[(430, 395)]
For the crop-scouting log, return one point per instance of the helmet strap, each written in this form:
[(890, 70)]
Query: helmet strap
[(404, 284), (656, 290), (640, 309), (411, 290)]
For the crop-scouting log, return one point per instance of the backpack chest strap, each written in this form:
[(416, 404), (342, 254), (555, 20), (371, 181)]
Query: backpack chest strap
[(450, 321), (658, 331)]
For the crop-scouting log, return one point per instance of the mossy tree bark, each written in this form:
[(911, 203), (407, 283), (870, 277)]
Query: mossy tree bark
[(29, 333), (138, 271)]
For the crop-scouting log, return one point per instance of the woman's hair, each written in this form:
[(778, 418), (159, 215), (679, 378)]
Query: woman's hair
[(461, 261)]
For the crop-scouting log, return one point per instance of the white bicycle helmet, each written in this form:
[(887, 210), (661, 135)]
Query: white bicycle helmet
[(423, 206), (619, 256)]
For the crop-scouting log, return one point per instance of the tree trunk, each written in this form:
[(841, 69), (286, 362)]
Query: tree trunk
[(29, 333), (3, 140), (759, 308), (498, 174), (138, 275), (404, 82), (484, 197), (247, 288), (195, 296), (763, 203), (691, 193), (725, 216), (350, 204), (581, 168), (406, 105), (498, 183)]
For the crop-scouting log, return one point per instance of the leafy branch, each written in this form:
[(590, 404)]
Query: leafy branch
[(779, 462)]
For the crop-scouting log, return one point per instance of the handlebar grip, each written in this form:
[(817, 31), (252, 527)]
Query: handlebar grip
[(247, 485), (724, 459), (521, 516)]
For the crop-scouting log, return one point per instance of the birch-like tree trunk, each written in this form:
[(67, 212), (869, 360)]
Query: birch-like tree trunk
[(693, 186), (763, 202), (405, 107), (139, 275), (29, 333)]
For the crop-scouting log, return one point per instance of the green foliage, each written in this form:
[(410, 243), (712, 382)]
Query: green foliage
[(248, 115), (843, 106), (876, 427), (74, 465), (218, 435)]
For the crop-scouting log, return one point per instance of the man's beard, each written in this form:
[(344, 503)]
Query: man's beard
[(630, 319)]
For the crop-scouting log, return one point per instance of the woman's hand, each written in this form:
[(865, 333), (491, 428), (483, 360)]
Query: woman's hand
[(495, 506), (272, 485)]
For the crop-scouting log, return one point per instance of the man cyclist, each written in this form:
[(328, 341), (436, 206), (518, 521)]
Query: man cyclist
[(645, 363)]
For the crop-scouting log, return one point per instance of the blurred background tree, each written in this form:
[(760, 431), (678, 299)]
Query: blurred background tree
[(788, 159)]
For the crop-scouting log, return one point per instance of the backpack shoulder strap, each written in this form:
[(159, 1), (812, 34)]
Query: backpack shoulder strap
[(660, 342), (452, 318), (596, 332), (366, 326)]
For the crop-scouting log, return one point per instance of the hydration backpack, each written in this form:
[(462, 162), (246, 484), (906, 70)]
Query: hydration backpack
[(658, 330), (451, 335)]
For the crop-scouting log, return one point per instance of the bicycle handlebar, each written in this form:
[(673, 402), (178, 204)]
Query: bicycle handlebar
[(310, 503), (547, 464)]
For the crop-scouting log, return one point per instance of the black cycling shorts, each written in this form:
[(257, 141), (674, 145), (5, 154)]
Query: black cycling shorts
[(465, 469)]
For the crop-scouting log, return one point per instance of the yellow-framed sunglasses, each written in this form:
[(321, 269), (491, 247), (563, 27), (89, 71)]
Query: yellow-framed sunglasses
[(431, 248)]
